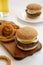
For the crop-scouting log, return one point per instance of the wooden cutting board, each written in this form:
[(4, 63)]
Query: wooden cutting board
[(16, 52)]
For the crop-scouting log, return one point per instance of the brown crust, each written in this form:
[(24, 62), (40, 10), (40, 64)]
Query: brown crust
[(6, 58), (26, 33), (33, 6)]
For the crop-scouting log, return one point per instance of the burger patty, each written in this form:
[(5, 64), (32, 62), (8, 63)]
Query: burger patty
[(33, 15), (26, 45)]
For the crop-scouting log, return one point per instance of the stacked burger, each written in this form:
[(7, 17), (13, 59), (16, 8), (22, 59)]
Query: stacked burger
[(26, 38), (33, 10)]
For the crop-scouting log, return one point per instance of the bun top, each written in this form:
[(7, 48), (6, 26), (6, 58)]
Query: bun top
[(33, 6), (26, 33)]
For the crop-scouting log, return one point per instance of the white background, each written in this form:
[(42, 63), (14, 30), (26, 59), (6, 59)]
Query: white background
[(35, 59)]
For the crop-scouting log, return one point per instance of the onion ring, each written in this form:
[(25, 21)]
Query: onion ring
[(2, 22), (14, 25), (6, 58), (9, 37), (8, 31)]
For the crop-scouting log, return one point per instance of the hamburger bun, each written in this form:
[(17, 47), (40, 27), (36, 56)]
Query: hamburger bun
[(26, 36), (26, 33), (33, 10)]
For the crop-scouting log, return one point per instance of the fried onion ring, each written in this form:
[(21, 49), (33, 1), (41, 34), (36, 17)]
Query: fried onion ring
[(6, 58), (14, 25), (8, 31)]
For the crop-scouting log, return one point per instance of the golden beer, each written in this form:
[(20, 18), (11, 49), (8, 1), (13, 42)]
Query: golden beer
[(3, 7)]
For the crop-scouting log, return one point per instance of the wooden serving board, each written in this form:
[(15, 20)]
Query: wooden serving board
[(16, 52)]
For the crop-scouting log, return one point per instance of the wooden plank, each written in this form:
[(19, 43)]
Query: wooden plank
[(16, 52)]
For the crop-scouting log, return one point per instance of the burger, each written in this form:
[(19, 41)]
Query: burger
[(27, 38), (33, 10)]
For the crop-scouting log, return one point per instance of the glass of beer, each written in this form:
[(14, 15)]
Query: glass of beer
[(3, 7)]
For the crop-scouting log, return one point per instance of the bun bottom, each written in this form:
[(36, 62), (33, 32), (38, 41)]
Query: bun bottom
[(26, 47), (33, 15)]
